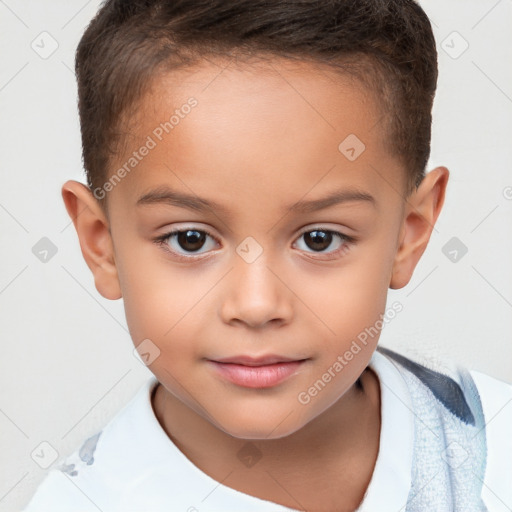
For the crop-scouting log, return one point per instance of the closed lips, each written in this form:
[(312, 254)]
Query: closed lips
[(260, 373)]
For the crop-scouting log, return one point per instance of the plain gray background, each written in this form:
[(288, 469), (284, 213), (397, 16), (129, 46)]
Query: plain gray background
[(67, 362)]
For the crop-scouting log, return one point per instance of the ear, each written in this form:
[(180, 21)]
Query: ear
[(94, 235), (421, 212)]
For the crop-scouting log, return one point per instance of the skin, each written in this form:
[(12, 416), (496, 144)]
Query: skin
[(261, 137)]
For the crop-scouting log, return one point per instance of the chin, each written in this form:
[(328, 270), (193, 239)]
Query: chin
[(261, 427)]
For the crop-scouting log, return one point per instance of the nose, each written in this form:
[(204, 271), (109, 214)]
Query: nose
[(256, 294)]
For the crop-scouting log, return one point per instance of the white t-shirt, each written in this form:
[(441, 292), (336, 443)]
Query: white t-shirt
[(132, 465)]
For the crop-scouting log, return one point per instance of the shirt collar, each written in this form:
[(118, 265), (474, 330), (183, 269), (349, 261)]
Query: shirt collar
[(155, 459)]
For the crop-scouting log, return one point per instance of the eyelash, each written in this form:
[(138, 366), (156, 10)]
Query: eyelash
[(162, 239)]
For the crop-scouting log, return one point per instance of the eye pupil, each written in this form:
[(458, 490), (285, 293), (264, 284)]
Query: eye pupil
[(191, 239), (318, 240)]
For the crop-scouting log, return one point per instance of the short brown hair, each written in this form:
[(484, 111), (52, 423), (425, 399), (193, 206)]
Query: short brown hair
[(387, 44)]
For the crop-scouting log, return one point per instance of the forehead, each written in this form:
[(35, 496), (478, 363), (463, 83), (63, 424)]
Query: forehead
[(263, 130)]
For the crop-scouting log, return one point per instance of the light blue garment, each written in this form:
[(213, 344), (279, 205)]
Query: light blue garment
[(450, 451)]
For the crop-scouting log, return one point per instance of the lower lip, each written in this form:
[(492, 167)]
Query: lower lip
[(257, 376)]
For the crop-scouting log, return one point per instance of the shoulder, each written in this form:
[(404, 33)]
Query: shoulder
[(61, 488), (458, 390), (470, 411), (91, 476), (57, 493), (496, 397)]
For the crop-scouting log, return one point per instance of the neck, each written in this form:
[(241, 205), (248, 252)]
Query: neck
[(342, 441)]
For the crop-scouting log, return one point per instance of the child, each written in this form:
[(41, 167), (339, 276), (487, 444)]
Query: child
[(286, 142)]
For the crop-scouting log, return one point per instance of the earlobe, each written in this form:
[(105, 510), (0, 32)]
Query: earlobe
[(92, 228), (421, 212)]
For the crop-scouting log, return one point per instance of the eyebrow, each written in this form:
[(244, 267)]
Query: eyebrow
[(167, 196)]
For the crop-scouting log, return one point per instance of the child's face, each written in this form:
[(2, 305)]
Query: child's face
[(264, 283)]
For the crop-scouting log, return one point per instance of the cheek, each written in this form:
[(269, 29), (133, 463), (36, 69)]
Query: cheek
[(350, 297), (157, 304), (350, 303), (148, 289), (162, 300)]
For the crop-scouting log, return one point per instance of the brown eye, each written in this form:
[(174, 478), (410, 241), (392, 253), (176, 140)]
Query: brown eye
[(324, 243), (183, 243), (191, 239), (318, 240)]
